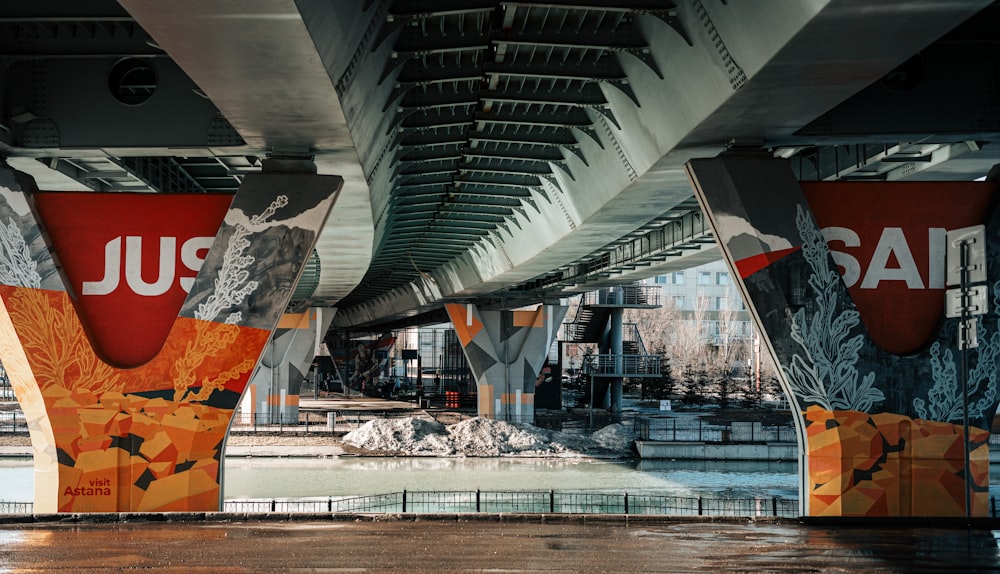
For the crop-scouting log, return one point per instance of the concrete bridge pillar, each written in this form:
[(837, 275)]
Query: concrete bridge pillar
[(846, 282), (129, 357), (272, 396), (506, 351)]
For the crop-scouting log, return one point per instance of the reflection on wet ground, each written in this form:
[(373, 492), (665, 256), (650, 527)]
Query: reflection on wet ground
[(514, 544)]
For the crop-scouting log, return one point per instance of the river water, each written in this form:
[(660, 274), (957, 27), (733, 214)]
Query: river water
[(266, 478), (246, 478), (349, 475)]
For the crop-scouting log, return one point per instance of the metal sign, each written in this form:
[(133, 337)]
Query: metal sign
[(974, 302), (974, 240)]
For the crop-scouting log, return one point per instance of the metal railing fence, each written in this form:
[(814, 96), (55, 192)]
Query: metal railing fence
[(622, 365), (632, 294), (307, 421), (508, 502), (669, 430), (13, 422)]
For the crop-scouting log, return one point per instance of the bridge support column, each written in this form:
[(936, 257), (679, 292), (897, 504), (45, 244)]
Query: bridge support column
[(506, 351), (272, 396), (129, 384), (867, 359)]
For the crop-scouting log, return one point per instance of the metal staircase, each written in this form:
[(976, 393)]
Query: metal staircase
[(591, 321), (588, 325)]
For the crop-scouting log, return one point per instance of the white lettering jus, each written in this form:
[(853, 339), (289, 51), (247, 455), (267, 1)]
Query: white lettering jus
[(192, 256), (892, 243)]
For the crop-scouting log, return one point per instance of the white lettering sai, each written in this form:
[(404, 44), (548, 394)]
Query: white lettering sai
[(891, 243)]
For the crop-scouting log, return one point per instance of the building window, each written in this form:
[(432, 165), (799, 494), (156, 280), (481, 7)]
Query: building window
[(678, 302), (677, 278), (704, 278), (661, 279), (713, 328), (721, 304), (722, 278)]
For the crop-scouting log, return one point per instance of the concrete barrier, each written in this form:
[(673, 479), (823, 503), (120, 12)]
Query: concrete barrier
[(777, 452)]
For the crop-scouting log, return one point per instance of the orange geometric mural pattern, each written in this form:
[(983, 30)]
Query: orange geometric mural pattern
[(142, 439), (886, 464)]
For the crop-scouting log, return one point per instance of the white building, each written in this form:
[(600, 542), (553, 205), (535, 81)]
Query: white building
[(706, 293)]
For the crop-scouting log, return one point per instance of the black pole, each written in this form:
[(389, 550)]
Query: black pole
[(964, 340)]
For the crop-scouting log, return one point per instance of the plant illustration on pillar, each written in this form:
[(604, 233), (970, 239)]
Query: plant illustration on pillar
[(826, 371), (944, 398), (17, 268), (233, 286)]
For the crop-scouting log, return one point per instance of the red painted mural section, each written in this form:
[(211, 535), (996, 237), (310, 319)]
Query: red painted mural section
[(128, 260), (889, 243)]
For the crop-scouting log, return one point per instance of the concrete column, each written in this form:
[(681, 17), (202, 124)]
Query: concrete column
[(273, 395), (867, 358), (125, 417), (506, 351)]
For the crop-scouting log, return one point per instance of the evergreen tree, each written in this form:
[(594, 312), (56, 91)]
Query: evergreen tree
[(751, 396), (663, 387)]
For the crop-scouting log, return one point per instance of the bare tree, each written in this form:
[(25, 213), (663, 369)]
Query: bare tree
[(708, 349)]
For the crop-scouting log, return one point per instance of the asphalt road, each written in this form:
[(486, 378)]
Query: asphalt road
[(474, 544)]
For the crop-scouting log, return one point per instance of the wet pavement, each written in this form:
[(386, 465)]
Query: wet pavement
[(458, 543)]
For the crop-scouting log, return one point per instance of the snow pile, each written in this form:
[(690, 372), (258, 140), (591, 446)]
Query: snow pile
[(617, 437), (483, 437), (409, 435), (487, 437)]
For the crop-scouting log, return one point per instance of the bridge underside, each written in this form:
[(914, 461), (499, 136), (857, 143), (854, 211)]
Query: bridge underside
[(498, 148), (512, 153)]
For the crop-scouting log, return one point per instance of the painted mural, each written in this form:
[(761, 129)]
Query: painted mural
[(506, 351), (129, 363), (847, 282), (273, 393)]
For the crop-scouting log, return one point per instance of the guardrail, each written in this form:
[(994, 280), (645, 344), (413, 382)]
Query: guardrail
[(315, 422), (13, 422), (622, 365), (16, 507), (667, 430), (631, 295), (507, 502), (514, 502)]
